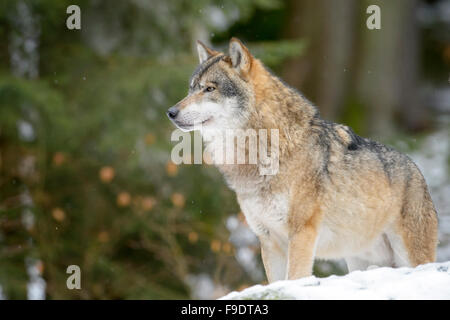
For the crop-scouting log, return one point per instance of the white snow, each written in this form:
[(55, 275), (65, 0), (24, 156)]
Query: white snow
[(429, 281)]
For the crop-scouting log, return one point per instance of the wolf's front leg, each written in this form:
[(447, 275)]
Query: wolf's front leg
[(301, 252), (274, 258)]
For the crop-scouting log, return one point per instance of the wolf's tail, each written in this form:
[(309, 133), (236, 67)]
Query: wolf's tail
[(419, 223)]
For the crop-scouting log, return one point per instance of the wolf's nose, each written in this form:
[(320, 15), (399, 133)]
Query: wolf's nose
[(172, 112)]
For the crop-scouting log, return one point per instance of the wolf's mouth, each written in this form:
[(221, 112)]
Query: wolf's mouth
[(205, 121), (186, 126), (197, 124)]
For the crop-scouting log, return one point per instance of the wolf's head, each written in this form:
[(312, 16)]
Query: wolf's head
[(219, 90)]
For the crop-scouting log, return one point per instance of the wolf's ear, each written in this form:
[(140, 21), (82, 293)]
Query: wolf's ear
[(241, 58), (204, 53)]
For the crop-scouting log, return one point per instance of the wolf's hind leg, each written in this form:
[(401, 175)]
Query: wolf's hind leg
[(379, 254), (413, 236), (355, 263), (411, 248), (400, 250)]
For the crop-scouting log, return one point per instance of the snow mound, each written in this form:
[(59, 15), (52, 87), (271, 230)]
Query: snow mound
[(429, 281)]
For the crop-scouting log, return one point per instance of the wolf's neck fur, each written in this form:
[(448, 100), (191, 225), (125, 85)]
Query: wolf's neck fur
[(278, 106), (273, 105)]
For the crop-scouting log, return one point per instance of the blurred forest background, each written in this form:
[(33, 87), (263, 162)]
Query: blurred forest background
[(85, 171)]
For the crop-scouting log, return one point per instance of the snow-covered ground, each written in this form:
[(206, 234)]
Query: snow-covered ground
[(430, 281)]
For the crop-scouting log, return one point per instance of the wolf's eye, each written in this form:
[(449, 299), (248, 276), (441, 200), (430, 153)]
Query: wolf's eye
[(210, 89)]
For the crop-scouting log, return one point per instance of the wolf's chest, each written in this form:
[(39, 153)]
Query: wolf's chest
[(266, 214)]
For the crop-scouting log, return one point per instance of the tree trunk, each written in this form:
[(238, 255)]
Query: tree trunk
[(386, 81), (322, 73)]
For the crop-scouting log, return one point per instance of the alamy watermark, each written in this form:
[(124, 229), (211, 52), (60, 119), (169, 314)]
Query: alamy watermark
[(258, 147), (374, 20), (74, 280), (74, 20)]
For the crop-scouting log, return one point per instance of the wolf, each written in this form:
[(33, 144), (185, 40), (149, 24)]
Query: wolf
[(336, 195)]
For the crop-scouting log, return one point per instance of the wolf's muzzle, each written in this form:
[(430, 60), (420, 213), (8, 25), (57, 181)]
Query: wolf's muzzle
[(172, 112)]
